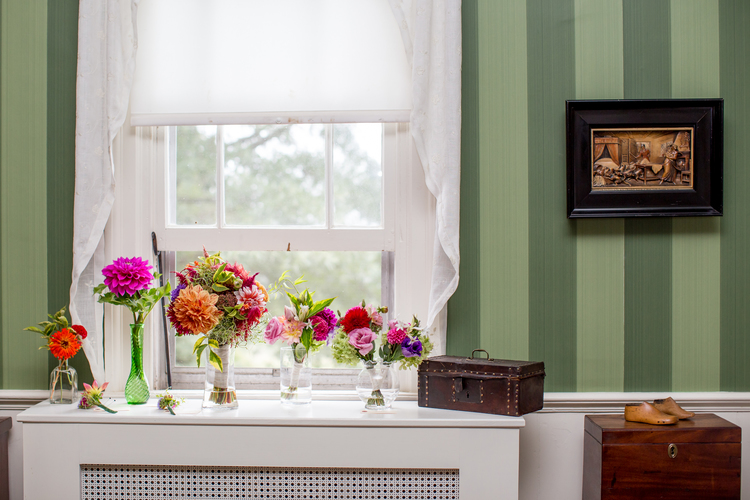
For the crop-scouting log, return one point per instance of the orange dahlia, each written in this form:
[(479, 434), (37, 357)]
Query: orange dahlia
[(64, 344), (195, 309)]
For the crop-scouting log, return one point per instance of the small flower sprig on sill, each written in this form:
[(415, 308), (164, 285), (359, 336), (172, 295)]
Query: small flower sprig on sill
[(92, 396), (168, 402)]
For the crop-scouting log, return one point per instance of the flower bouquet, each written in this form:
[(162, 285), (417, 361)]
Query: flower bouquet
[(358, 330), (223, 304), (63, 340), (127, 282), (305, 328), (405, 342)]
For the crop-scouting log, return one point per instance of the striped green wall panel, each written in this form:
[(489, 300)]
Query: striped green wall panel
[(552, 237), (504, 179), (62, 59), (648, 243), (463, 333), (734, 43), (23, 206), (600, 242), (696, 249)]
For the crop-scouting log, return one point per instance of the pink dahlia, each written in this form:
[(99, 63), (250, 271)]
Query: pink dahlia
[(323, 323), (125, 276), (253, 296)]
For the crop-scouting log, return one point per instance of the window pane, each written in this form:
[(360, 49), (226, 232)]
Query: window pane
[(348, 276), (274, 175), (357, 174), (195, 176)]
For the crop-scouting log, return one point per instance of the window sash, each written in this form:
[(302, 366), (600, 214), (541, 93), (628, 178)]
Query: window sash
[(293, 238)]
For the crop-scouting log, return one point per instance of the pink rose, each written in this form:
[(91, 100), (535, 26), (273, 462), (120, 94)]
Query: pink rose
[(362, 339), (273, 329)]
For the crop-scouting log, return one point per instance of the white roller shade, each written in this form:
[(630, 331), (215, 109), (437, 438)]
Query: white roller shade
[(263, 61)]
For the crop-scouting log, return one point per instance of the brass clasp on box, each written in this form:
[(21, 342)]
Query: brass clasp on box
[(672, 450), (479, 350)]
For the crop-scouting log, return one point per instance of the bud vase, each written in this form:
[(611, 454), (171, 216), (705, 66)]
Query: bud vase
[(63, 384), (136, 388), (219, 391), (296, 376), (378, 385)]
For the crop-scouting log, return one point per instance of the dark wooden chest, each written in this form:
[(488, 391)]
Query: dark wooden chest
[(694, 459), (498, 386)]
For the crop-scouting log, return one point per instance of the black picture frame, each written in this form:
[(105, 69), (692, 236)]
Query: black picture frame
[(624, 190)]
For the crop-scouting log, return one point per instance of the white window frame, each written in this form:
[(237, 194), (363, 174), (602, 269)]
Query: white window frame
[(140, 157)]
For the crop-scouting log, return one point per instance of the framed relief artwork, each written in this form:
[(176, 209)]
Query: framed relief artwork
[(644, 158)]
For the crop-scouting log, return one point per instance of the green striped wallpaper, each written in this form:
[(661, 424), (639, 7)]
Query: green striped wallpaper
[(616, 304), (609, 305), (38, 57)]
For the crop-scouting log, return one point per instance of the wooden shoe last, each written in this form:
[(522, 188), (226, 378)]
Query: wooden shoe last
[(647, 414), (670, 407)]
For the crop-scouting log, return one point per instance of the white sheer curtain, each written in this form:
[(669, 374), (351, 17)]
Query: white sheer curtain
[(106, 61), (431, 31)]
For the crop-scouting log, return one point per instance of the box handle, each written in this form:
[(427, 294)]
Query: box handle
[(479, 350)]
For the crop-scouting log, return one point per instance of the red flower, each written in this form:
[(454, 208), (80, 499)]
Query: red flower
[(80, 330), (64, 344), (356, 317)]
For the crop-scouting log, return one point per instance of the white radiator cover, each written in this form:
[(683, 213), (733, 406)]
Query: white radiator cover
[(407, 453), (120, 482)]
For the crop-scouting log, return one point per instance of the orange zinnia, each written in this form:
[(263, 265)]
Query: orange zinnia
[(64, 344)]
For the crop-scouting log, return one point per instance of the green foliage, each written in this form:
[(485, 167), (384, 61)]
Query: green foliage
[(47, 328), (203, 342), (140, 303)]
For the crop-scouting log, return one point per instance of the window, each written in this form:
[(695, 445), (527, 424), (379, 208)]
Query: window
[(385, 236)]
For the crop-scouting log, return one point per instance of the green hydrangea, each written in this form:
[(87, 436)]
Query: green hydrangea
[(343, 352)]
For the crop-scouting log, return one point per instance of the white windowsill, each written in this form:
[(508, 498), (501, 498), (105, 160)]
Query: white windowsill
[(269, 413)]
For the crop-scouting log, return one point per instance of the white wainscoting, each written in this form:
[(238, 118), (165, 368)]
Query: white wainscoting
[(551, 443)]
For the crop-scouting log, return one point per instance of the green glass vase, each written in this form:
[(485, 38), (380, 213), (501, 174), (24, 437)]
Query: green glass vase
[(136, 388)]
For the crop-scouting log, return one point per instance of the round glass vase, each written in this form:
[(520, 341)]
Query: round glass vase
[(220, 391), (296, 376), (136, 388), (63, 384), (378, 385)]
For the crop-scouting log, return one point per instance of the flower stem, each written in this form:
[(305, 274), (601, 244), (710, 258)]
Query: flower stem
[(108, 410)]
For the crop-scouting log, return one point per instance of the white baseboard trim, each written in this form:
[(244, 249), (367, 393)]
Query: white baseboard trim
[(554, 402), (614, 402), (20, 400)]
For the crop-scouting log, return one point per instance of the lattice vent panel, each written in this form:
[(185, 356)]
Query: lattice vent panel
[(147, 482)]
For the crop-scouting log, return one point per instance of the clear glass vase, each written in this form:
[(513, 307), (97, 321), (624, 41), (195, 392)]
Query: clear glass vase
[(378, 385), (136, 388), (296, 376), (220, 391), (63, 384)]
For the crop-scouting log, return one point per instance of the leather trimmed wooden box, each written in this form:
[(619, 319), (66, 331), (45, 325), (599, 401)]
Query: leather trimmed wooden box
[(499, 386), (695, 458)]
